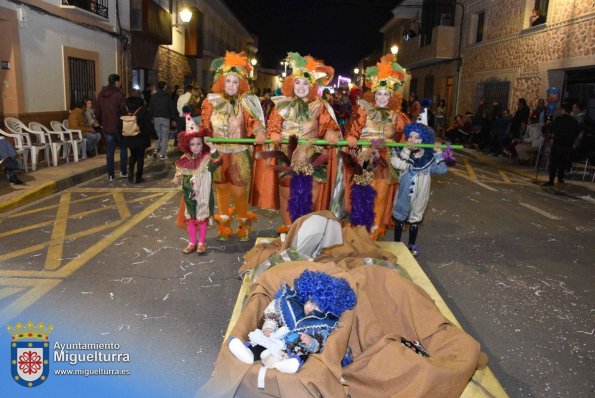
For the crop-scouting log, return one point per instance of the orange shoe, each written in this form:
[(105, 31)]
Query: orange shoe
[(223, 231), (283, 229), (377, 233), (201, 249), (189, 249)]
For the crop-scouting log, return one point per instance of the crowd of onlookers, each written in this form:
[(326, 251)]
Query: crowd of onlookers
[(523, 134)]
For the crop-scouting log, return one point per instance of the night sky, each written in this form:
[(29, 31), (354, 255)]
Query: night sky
[(340, 32)]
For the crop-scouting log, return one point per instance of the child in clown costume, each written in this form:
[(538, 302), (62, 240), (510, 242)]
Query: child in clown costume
[(300, 112), (297, 322), (193, 171), (232, 111), (416, 166), (377, 117)]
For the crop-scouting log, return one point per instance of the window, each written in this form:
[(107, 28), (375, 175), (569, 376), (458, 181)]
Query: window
[(477, 27), (539, 12), (479, 30), (82, 79), (429, 86), (493, 89), (413, 87), (97, 7)]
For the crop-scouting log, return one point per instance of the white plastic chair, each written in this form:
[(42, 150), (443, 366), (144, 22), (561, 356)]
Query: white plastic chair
[(55, 139), (15, 126), (78, 142), (20, 149), (81, 137)]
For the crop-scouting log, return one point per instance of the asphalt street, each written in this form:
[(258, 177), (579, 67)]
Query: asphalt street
[(102, 262)]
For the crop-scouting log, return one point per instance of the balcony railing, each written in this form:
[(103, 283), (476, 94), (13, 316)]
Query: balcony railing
[(97, 7)]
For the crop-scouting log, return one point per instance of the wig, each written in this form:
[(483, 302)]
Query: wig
[(330, 294), (185, 138), (287, 88), (219, 86)]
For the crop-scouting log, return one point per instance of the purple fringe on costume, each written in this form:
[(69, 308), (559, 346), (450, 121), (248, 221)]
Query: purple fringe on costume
[(300, 196), (362, 205)]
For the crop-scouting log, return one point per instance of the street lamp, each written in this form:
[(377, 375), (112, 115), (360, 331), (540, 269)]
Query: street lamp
[(253, 62), (394, 49), (185, 17), (356, 71)]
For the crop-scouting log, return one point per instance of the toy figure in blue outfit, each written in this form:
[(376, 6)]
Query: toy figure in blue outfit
[(297, 322), (416, 166)]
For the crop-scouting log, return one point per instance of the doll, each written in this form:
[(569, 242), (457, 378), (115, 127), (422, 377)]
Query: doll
[(193, 171), (297, 322), (416, 165)]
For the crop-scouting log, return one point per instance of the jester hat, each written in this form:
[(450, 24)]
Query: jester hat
[(311, 69), (330, 294), (233, 63), (387, 74), (420, 126)]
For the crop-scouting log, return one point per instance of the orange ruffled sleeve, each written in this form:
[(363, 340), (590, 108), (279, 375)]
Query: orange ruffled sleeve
[(358, 121), (274, 124), (326, 123), (253, 126), (400, 122), (206, 112)]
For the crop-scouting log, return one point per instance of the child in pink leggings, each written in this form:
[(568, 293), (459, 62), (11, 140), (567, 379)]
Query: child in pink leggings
[(193, 171)]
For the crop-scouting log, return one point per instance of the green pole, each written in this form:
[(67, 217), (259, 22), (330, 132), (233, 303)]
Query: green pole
[(250, 141)]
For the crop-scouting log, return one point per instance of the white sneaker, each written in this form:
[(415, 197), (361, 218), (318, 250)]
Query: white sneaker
[(240, 351), (290, 365), (110, 178), (162, 157), (123, 175)]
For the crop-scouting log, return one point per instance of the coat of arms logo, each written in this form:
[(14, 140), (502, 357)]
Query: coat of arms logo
[(29, 353)]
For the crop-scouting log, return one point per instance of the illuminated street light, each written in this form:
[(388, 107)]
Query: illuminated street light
[(284, 74), (253, 61), (394, 49), (186, 15), (356, 71)]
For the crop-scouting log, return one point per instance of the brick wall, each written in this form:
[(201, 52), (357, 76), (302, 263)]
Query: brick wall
[(172, 67), (512, 51)]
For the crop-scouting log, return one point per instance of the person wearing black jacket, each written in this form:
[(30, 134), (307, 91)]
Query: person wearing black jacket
[(138, 143), (163, 111), (565, 129)]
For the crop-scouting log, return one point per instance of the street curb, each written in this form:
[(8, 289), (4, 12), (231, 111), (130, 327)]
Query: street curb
[(44, 190), (51, 187)]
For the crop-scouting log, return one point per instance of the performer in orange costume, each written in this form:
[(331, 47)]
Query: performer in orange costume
[(299, 111), (379, 118), (232, 111)]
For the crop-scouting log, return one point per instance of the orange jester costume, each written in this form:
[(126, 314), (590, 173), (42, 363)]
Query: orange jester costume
[(231, 111), (300, 112), (378, 118)]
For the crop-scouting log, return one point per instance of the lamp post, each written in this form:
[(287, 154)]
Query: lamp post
[(355, 74), (394, 49)]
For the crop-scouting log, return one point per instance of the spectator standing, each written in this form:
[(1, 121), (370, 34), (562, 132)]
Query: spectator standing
[(110, 106), (138, 143), (565, 130), (149, 90), (266, 104), (500, 132), (183, 99), (77, 120), (440, 117), (163, 111)]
